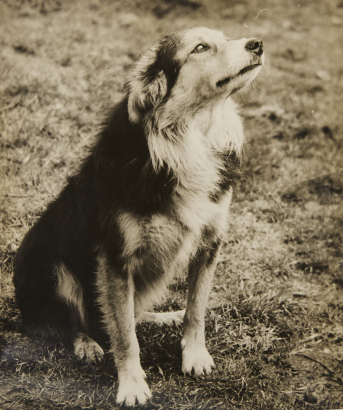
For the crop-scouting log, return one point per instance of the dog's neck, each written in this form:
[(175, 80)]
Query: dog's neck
[(193, 149), (222, 127)]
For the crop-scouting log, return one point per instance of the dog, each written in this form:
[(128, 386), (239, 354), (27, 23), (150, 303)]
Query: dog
[(150, 202)]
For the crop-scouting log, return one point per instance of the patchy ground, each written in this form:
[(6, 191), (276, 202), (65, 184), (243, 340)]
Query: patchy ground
[(275, 325)]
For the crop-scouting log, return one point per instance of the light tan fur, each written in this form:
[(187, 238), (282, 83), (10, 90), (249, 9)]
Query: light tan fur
[(162, 317), (69, 289)]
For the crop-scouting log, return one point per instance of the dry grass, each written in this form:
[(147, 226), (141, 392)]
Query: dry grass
[(275, 320)]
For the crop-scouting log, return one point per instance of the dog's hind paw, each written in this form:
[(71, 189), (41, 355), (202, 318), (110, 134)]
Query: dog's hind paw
[(162, 318), (133, 389), (195, 359), (87, 349)]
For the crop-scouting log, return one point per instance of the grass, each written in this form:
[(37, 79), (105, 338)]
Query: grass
[(274, 325)]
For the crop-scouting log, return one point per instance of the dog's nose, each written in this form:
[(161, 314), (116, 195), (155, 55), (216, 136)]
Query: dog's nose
[(255, 45)]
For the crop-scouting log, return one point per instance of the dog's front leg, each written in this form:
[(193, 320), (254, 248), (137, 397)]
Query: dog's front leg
[(116, 291), (195, 357)]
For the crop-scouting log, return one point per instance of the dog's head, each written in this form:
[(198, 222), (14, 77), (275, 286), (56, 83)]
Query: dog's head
[(190, 69)]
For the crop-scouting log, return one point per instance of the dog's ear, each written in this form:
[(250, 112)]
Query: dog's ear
[(146, 87)]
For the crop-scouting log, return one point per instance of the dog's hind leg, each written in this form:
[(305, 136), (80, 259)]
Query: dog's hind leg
[(51, 301), (116, 297), (161, 318), (195, 357), (69, 290)]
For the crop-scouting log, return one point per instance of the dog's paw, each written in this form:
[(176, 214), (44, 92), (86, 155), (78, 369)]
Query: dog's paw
[(162, 318), (132, 389), (195, 359), (177, 317), (87, 349)]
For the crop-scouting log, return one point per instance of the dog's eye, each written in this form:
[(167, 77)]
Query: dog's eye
[(200, 48)]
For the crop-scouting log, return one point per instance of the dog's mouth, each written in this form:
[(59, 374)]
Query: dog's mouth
[(244, 70)]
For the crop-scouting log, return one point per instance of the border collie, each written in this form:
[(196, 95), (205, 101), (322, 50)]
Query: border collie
[(150, 202)]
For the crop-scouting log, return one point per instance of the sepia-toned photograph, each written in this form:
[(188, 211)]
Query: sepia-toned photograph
[(171, 204)]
